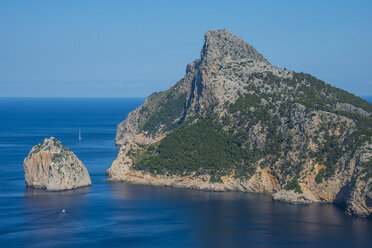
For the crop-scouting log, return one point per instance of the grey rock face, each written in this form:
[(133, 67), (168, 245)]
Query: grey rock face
[(291, 197), (350, 108), (52, 166), (222, 45)]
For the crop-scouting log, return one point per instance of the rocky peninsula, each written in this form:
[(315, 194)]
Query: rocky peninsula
[(237, 122)]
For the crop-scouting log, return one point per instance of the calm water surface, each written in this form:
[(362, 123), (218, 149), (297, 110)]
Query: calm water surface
[(124, 215)]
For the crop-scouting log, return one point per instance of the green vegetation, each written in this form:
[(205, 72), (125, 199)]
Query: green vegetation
[(245, 102), (367, 170), (319, 177), (202, 147), (328, 155), (215, 178), (172, 107), (320, 96), (317, 95), (294, 185), (244, 117)]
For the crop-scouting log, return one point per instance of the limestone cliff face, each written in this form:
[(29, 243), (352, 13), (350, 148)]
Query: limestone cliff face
[(236, 122), (52, 166)]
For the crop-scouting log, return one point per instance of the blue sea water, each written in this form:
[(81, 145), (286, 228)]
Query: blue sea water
[(124, 215)]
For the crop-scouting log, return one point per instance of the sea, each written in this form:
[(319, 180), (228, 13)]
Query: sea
[(124, 215)]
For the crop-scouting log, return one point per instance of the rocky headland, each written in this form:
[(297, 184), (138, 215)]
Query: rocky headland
[(236, 122), (52, 166)]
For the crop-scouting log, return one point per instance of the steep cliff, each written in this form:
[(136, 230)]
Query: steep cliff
[(236, 122), (52, 166)]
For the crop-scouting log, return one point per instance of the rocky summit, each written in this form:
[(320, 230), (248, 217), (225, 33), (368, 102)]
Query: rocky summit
[(236, 122), (52, 166)]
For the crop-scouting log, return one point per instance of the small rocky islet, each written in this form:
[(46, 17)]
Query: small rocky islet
[(52, 166)]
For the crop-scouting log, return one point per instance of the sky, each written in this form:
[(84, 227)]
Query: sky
[(123, 48)]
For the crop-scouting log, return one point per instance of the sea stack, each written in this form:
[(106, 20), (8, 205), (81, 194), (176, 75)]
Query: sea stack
[(54, 167)]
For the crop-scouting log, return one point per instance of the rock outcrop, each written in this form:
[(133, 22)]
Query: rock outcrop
[(236, 122), (52, 166)]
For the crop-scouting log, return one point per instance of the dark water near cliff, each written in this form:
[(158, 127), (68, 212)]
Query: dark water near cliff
[(123, 215)]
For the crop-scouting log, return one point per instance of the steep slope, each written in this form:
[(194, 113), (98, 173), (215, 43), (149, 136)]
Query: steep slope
[(236, 122)]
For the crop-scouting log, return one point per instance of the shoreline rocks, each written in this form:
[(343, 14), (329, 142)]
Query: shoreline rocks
[(264, 184), (291, 197)]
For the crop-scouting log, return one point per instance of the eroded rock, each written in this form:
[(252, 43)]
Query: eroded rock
[(52, 166)]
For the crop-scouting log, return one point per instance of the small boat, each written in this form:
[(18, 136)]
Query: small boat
[(80, 138)]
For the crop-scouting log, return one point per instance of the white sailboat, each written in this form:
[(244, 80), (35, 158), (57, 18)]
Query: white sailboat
[(80, 138)]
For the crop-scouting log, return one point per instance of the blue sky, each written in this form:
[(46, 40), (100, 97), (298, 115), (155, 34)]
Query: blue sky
[(133, 48)]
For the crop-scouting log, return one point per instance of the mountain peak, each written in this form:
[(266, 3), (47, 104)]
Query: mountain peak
[(236, 122), (221, 44)]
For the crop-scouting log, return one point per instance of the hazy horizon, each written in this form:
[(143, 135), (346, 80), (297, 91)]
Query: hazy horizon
[(120, 49)]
